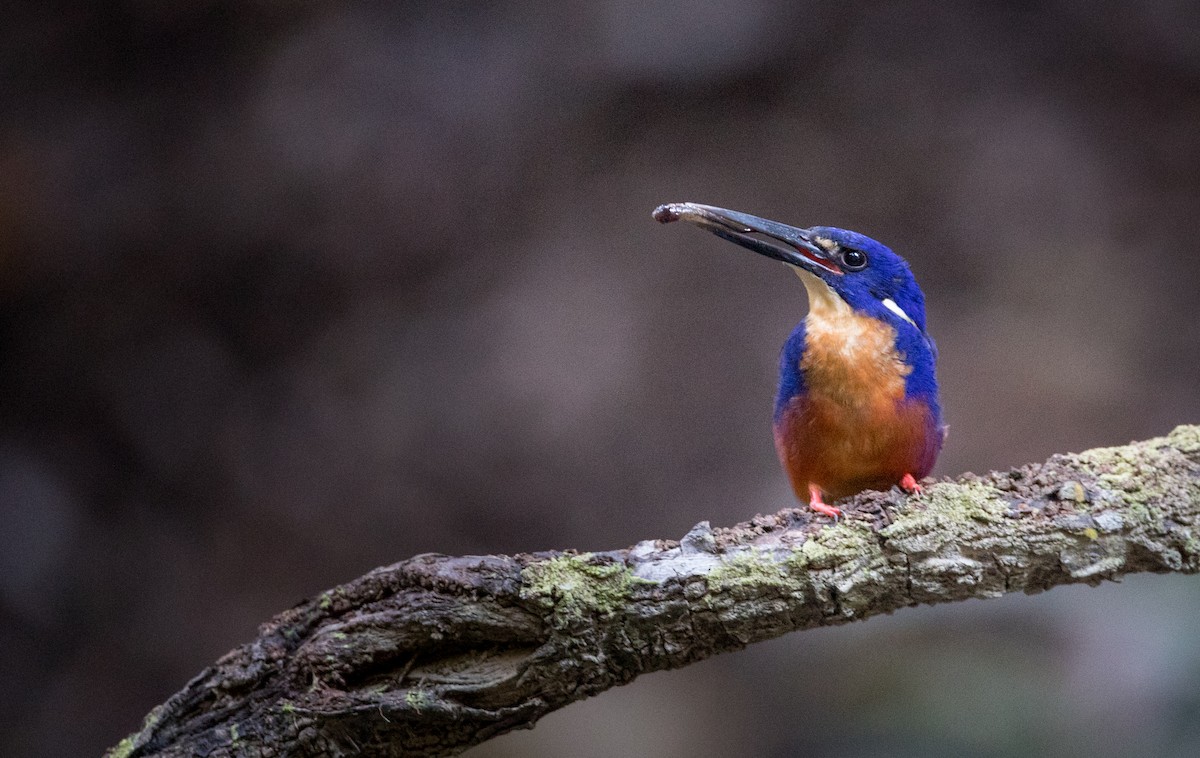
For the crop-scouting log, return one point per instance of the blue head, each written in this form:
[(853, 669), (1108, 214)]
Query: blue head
[(843, 271), (866, 274)]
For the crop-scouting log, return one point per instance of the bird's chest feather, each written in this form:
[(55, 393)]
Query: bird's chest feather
[(850, 363)]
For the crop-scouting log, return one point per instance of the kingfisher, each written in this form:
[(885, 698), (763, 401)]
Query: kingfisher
[(857, 405)]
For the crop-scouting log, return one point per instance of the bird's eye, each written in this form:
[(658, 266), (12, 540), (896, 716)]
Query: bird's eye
[(854, 260)]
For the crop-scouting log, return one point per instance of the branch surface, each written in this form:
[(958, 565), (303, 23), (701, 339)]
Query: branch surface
[(437, 653)]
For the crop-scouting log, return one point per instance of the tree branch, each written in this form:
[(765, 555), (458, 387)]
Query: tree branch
[(437, 653)]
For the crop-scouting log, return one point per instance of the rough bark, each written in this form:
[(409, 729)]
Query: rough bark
[(437, 653)]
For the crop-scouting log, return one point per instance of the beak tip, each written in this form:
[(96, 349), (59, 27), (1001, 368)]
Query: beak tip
[(665, 214)]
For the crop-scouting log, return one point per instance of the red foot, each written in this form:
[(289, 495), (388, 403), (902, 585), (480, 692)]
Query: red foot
[(909, 485), (817, 504)]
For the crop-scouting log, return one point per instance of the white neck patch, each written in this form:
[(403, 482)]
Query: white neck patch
[(892, 306)]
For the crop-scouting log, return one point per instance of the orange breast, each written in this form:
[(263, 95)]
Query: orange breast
[(843, 453)]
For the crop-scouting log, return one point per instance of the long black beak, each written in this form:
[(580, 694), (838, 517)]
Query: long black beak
[(738, 227)]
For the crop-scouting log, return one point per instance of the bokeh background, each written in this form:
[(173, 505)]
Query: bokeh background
[(292, 290)]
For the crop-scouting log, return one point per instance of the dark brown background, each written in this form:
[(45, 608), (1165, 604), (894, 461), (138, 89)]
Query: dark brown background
[(290, 291)]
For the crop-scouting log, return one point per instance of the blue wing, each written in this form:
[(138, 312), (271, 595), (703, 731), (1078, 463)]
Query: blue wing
[(791, 377)]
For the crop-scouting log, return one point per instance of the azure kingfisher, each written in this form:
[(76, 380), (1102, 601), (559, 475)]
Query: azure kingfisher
[(857, 406)]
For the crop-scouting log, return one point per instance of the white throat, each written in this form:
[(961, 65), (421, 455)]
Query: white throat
[(823, 302)]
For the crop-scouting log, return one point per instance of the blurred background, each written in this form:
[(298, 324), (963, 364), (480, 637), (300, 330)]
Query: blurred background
[(291, 290)]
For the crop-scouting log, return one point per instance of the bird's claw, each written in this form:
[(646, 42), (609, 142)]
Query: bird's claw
[(909, 485), (827, 510), (817, 503)]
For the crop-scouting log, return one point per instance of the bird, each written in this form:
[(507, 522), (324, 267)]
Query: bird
[(857, 404)]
